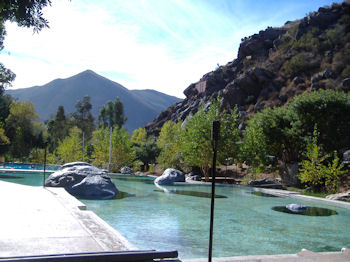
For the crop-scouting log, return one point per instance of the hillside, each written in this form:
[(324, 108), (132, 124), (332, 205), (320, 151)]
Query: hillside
[(141, 106), (275, 65)]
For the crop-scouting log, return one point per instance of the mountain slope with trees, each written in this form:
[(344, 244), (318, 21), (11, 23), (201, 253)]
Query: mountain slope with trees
[(141, 106), (275, 65)]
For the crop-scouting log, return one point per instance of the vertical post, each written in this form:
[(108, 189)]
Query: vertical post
[(215, 131), (44, 164), (110, 149), (83, 144)]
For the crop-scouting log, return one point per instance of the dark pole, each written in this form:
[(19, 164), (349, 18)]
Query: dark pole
[(215, 131), (44, 164)]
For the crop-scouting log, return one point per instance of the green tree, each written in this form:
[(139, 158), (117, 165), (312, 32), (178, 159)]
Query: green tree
[(70, 149), (112, 114), (21, 129), (169, 142), (139, 136), (196, 137), (5, 102), (58, 127), (254, 148), (121, 151), (315, 173), (4, 140), (147, 152), (83, 118), (285, 131), (329, 110)]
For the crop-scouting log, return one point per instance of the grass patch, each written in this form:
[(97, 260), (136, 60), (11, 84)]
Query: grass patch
[(306, 192)]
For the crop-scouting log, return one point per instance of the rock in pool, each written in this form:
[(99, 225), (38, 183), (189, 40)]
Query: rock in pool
[(126, 170), (193, 177), (84, 181), (170, 176), (297, 208)]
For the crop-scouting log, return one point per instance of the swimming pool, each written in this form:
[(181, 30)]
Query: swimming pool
[(27, 166), (245, 223)]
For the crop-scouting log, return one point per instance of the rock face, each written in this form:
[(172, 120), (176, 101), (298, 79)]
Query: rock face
[(84, 181), (170, 176), (126, 170), (262, 75)]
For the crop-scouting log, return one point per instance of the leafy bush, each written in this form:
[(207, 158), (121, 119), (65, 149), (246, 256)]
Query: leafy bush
[(308, 41), (346, 72), (285, 131), (315, 173), (296, 65)]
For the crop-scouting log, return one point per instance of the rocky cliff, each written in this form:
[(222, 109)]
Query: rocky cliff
[(275, 65)]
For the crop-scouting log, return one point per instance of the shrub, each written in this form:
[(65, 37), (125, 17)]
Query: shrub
[(296, 65), (316, 174)]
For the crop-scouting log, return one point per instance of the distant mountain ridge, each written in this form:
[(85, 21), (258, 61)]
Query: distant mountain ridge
[(140, 106)]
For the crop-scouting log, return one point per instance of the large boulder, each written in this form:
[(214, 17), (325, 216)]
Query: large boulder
[(71, 164), (193, 177), (94, 187), (170, 176), (85, 181), (126, 170)]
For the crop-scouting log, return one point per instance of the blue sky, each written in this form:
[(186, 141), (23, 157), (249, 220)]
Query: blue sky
[(142, 44)]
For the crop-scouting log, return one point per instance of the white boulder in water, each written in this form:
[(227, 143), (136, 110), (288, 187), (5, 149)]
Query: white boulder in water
[(170, 176)]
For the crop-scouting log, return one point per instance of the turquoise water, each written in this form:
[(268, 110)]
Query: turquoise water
[(245, 223), (28, 166), (23, 178)]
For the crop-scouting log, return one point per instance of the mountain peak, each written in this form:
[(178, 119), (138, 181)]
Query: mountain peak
[(140, 108)]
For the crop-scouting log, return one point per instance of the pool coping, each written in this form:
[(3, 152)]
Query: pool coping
[(52, 216), (105, 235)]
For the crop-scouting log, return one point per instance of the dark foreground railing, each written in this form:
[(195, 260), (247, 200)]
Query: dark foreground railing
[(119, 256)]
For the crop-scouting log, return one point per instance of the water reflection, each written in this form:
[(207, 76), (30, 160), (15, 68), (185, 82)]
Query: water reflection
[(258, 193), (311, 211), (185, 192), (122, 195), (135, 179)]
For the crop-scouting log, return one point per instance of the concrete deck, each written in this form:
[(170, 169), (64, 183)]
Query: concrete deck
[(40, 221)]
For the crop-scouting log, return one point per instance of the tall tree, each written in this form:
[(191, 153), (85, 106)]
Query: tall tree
[(112, 114), (58, 127), (21, 129), (139, 136), (83, 117), (169, 141), (196, 137), (122, 153), (70, 148)]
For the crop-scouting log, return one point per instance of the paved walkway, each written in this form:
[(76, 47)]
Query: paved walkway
[(40, 221)]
